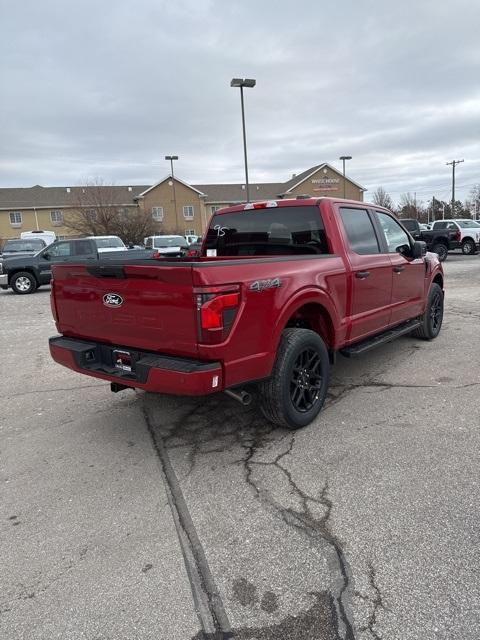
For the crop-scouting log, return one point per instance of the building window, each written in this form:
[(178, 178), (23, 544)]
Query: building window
[(16, 218), (56, 217), (157, 214), (190, 232), (188, 212), (215, 207)]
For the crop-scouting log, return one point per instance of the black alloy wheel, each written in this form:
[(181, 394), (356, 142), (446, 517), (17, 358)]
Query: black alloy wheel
[(431, 321), (436, 312), (295, 392), (306, 380), (441, 250)]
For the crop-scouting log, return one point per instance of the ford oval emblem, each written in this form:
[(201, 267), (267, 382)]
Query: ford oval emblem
[(112, 300)]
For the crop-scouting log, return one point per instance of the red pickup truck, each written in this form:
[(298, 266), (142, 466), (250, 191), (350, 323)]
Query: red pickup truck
[(279, 288)]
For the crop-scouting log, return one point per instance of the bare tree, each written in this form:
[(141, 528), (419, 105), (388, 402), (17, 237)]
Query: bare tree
[(382, 199), (133, 225), (96, 213), (410, 207)]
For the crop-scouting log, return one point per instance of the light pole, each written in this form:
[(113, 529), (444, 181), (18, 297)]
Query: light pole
[(244, 82), (172, 158), (343, 158)]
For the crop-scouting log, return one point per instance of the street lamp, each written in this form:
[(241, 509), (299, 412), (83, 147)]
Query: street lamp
[(244, 82), (343, 158), (172, 158)]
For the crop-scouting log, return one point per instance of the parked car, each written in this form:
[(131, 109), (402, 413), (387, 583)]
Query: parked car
[(280, 289), (191, 239), (468, 230), (440, 241), (171, 246), (106, 244)]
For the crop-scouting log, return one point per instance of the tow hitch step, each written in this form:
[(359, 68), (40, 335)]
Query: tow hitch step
[(382, 338)]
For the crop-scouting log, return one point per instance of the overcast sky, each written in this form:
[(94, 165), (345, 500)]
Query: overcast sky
[(108, 88)]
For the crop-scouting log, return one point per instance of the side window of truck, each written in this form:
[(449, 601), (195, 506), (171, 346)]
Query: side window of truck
[(360, 231), (60, 250), (394, 234)]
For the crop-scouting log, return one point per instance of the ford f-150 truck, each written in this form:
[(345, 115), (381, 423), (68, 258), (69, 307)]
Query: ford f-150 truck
[(279, 288)]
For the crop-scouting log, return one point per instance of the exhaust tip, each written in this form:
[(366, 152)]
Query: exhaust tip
[(243, 397)]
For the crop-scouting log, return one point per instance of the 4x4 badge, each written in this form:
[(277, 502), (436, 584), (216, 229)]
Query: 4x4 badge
[(112, 300)]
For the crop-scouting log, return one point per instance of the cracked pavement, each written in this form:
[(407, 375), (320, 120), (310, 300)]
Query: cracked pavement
[(362, 526)]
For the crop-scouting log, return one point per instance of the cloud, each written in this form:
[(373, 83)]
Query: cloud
[(108, 89)]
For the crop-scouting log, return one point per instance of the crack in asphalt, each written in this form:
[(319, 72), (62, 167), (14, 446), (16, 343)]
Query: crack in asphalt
[(377, 604), (305, 521), (39, 586), (55, 390)]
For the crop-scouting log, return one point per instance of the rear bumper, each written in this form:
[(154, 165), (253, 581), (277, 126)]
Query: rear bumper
[(150, 372)]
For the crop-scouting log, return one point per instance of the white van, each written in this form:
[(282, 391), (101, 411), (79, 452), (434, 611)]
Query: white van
[(47, 236)]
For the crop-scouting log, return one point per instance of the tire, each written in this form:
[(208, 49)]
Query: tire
[(295, 392), (441, 250), (468, 247), (433, 316), (23, 283)]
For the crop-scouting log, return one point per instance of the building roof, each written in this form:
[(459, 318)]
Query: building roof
[(169, 177), (37, 196), (237, 192), (51, 197)]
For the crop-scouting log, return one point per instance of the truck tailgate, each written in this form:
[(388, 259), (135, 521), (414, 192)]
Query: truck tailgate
[(141, 306)]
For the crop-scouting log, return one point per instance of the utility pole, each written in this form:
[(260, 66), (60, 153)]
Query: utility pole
[(433, 211), (454, 164)]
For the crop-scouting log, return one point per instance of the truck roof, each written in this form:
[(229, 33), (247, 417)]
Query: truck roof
[(299, 201)]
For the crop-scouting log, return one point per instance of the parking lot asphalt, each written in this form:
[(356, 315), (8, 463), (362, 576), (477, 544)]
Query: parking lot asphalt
[(138, 516)]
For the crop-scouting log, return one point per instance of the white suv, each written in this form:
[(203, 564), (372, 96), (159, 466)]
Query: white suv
[(469, 233)]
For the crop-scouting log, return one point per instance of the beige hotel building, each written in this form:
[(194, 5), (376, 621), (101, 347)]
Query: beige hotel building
[(47, 208)]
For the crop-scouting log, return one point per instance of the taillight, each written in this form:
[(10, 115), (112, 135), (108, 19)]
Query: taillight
[(260, 205), (217, 308), (458, 236)]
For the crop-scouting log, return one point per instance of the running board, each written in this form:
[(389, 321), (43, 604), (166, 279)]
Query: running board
[(370, 343)]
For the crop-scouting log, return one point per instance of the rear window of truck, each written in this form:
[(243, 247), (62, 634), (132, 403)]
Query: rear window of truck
[(269, 231)]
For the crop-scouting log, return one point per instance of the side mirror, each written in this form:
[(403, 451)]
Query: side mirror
[(419, 249), (46, 256)]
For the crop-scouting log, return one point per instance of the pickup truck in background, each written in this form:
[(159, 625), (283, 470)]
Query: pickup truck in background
[(24, 274), (468, 232), (279, 289), (439, 240)]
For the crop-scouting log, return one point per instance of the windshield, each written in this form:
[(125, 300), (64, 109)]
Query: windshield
[(21, 246), (170, 241), (108, 243), (269, 231), (467, 224)]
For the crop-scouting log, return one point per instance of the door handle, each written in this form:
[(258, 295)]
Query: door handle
[(398, 269), (361, 275)]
